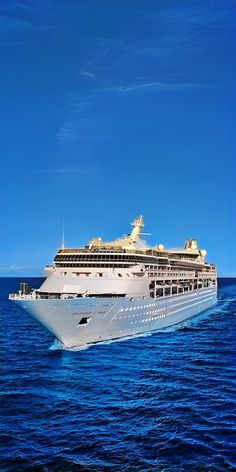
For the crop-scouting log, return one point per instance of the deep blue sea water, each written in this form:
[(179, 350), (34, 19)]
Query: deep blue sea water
[(163, 403)]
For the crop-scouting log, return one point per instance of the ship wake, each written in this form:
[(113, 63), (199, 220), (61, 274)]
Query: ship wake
[(58, 346)]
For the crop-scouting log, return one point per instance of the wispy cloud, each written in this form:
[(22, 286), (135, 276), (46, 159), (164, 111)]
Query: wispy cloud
[(20, 270), (18, 16), (105, 58), (8, 23), (69, 136), (87, 74), (161, 86), (11, 43), (205, 16), (81, 126), (228, 274), (11, 268), (63, 171), (122, 89), (174, 37), (31, 7)]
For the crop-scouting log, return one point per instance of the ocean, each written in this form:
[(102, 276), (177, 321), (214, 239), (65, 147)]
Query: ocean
[(163, 402)]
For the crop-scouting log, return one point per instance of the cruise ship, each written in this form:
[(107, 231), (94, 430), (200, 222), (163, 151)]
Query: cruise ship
[(110, 290)]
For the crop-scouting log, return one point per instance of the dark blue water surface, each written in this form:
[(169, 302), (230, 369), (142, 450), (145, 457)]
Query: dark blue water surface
[(164, 402)]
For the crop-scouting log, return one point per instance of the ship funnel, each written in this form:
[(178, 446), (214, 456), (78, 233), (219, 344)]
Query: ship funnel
[(191, 244)]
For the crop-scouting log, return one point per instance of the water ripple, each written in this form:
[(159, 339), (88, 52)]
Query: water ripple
[(163, 402)]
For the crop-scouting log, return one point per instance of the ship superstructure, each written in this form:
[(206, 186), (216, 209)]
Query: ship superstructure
[(109, 290)]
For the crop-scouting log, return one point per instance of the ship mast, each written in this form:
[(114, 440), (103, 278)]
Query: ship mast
[(63, 236), (137, 224)]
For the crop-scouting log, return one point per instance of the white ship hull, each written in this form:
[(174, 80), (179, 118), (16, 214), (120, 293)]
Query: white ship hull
[(115, 317)]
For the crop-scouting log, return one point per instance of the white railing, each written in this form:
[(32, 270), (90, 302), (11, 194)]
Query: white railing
[(21, 296)]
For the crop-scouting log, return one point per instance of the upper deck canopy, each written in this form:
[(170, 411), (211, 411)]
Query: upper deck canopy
[(133, 245)]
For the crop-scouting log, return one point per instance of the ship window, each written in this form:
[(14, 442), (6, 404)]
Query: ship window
[(84, 321), (100, 274), (119, 275)]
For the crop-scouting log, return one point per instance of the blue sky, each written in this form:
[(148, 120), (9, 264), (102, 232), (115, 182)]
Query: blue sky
[(110, 110)]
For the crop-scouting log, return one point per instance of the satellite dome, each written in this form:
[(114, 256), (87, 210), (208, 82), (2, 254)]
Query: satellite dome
[(160, 247)]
